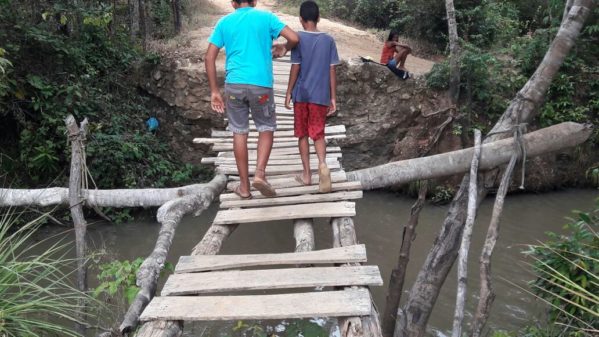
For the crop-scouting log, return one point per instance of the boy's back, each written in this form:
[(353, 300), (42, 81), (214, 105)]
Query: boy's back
[(247, 36), (315, 54)]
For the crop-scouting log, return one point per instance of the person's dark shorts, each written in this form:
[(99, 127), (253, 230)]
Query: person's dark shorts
[(243, 99)]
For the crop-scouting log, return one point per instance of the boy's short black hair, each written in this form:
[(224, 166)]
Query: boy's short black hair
[(239, 2), (309, 11)]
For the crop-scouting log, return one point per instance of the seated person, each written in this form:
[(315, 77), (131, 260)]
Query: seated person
[(394, 55)]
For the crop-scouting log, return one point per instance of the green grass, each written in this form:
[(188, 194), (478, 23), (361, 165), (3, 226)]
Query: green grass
[(35, 290)]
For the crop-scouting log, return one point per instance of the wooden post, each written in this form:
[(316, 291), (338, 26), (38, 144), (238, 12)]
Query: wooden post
[(177, 15), (466, 238), (77, 175), (344, 234), (398, 274)]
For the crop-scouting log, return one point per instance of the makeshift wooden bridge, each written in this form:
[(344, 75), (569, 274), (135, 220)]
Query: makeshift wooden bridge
[(190, 294)]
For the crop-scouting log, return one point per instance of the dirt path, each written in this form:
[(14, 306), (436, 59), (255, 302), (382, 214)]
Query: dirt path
[(351, 42)]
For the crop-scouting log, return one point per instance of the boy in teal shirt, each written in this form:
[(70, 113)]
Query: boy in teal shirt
[(247, 35)]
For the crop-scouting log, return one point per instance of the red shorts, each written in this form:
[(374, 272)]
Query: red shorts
[(309, 120)]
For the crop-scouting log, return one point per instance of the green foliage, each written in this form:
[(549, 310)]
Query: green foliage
[(35, 289), (293, 329), (442, 195), (85, 71), (120, 277), (567, 271)]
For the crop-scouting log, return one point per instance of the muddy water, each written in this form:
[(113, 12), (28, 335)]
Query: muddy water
[(379, 220)]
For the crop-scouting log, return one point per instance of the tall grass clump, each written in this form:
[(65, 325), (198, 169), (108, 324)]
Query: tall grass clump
[(567, 275), (36, 295)]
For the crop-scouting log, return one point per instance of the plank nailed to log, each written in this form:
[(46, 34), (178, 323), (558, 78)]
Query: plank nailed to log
[(320, 210), (283, 306), (198, 263), (264, 279)]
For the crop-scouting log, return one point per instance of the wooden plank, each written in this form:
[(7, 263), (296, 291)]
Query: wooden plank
[(300, 199), (276, 161), (229, 140), (273, 160), (219, 147), (212, 160), (289, 181), (199, 263), (272, 169), (329, 130), (286, 192), (270, 279), (352, 302), (251, 215), (281, 151)]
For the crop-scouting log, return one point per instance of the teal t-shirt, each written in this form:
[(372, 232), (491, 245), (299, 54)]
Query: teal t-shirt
[(247, 35)]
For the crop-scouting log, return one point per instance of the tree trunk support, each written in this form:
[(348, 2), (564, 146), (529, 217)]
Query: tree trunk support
[(398, 275), (466, 238), (523, 108), (78, 175), (344, 234), (169, 215)]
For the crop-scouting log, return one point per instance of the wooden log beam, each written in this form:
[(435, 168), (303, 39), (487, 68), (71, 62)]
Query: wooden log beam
[(344, 234), (169, 215), (494, 154), (119, 198)]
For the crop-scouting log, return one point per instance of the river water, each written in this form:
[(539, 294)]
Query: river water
[(379, 222)]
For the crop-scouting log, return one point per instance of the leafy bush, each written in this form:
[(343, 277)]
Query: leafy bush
[(86, 73), (35, 289), (567, 269), (121, 277)]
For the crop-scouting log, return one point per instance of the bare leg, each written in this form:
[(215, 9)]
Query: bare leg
[(304, 149), (321, 150), (240, 149), (401, 56), (324, 185), (265, 140)]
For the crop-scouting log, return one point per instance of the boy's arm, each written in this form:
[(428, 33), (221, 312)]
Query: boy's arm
[(279, 49), (333, 106), (293, 74), (216, 100)]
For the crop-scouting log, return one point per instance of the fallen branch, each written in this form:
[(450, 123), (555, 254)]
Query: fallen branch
[(169, 215), (553, 138), (486, 295), (466, 236), (398, 275)]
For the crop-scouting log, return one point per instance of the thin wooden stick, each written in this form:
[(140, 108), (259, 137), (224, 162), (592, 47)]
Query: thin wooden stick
[(398, 274), (466, 238)]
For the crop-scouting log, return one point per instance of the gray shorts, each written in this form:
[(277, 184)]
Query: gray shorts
[(241, 99)]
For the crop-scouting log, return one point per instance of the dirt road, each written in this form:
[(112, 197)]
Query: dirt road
[(351, 42)]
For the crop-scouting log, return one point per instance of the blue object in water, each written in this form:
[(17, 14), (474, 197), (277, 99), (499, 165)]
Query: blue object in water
[(152, 124)]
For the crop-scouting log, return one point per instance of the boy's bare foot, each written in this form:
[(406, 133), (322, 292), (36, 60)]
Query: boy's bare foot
[(324, 175), (304, 179)]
